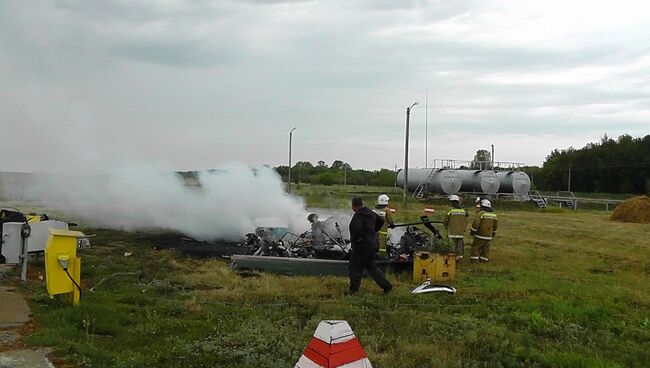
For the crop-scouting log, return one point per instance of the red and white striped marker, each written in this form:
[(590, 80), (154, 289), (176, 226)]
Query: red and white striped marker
[(333, 345), (429, 210)]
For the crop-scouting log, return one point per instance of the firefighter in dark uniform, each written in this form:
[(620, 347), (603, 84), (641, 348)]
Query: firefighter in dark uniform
[(364, 246)]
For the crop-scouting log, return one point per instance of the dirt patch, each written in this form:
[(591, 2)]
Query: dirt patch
[(635, 209)]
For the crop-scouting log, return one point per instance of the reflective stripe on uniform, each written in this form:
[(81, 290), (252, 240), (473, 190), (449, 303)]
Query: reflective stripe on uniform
[(484, 259), (482, 237), (489, 215), (473, 229), (456, 237), (473, 257), (456, 211)]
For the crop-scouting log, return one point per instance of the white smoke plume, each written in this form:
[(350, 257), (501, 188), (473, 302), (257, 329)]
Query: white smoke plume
[(225, 205)]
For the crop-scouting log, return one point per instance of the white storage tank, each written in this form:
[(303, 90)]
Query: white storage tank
[(515, 182), (443, 181), (479, 181)]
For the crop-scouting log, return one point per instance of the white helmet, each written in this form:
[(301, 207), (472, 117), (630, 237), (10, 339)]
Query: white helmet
[(454, 197), (382, 200), (485, 203)]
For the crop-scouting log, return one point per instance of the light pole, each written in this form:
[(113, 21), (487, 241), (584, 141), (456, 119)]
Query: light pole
[(290, 138), (406, 154), (426, 129)]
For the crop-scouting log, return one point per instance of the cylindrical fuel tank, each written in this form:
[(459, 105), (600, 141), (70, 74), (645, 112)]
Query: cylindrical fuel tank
[(443, 181), (479, 181), (516, 182), (416, 177)]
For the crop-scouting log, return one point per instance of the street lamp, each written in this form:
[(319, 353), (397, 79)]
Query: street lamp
[(290, 138), (406, 154)]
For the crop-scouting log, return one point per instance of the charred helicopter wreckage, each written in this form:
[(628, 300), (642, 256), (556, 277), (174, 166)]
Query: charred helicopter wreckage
[(325, 249), (322, 250), (325, 240)]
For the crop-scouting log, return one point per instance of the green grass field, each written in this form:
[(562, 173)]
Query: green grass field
[(563, 289)]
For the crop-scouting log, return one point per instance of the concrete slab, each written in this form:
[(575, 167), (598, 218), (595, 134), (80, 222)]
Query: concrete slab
[(26, 359), (14, 310), (8, 337)]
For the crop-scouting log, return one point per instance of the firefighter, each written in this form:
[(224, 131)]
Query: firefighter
[(456, 222), (483, 230), (386, 213), (317, 231), (477, 204)]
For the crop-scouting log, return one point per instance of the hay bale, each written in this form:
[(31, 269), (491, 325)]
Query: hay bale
[(635, 209)]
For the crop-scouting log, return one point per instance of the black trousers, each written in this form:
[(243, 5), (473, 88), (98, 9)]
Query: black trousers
[(361, 260)]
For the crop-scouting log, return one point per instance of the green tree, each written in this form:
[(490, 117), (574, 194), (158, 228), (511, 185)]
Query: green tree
[(480, 158), (337, 165)]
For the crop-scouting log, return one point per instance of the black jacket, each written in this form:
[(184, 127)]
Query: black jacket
[(363, 229)]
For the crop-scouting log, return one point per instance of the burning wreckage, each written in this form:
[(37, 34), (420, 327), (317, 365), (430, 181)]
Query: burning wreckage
[(325, 248), (322, 250)]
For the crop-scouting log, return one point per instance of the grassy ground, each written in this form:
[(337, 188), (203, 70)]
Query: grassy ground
[(563, 289)]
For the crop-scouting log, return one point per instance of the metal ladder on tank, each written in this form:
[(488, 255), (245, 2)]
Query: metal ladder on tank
[(538, 199), (423, 188), (567, 198)]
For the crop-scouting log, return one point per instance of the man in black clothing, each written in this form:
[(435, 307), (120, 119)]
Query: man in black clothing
[(363, 234)]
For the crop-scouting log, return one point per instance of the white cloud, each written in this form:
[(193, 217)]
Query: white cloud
[(198, 83)]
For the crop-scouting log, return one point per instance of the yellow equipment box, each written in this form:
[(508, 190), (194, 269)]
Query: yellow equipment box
[(62, 266), (435, 266), (33, 217)]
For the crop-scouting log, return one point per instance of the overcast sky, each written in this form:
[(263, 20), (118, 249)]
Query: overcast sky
[(194, 84)]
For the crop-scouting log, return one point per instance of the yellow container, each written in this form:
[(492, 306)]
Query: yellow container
[(61, 252), (435, 266)]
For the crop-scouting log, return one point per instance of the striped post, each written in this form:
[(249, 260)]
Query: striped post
[(333, 345)]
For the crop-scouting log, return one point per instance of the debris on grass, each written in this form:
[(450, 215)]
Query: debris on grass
[(635, 209)]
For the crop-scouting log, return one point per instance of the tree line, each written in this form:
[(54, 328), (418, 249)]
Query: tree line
[(338, 172), (619, 165)]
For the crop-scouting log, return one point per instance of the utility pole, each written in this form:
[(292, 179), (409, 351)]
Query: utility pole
[(345, 177), (290, 139), (395, 176), (406, 155), (492, 157), (532, 177), (426, 129), (569, 181)]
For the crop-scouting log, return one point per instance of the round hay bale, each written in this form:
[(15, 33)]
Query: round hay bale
[(635, 209)]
